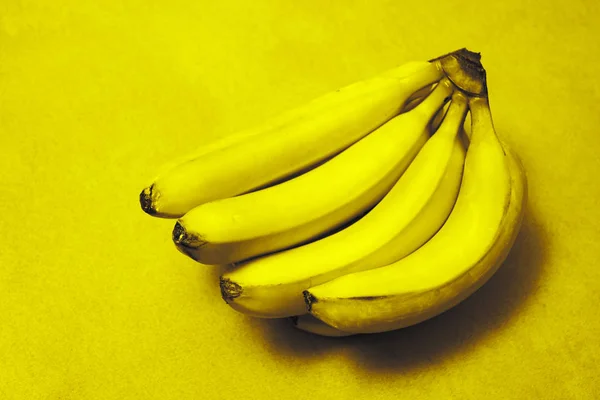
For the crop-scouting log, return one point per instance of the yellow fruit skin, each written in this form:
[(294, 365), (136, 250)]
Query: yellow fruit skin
[(315, 203), (289, 143), (410, 214), (455, 263)]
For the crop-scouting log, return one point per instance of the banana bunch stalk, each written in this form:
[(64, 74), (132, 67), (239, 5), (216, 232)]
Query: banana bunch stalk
[(366, 210)]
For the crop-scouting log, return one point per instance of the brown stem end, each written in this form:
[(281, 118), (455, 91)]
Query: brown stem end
[(183, 238), (463, 67), (229, 290), (146, 201)]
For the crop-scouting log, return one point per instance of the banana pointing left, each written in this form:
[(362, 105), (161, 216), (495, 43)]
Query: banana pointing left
[(287, 144), (315, 203)]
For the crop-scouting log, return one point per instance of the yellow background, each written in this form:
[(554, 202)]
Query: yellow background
[(96, 303)]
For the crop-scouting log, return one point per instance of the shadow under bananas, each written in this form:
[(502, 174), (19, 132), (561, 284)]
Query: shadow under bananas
[(494, 306), (279, 335)]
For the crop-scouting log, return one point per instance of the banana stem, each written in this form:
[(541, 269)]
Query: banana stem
[(438, 118), (458, 107), (481, 117), (440, 94)]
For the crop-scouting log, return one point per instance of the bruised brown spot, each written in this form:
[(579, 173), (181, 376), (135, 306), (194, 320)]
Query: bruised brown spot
[(367, 298), (309, 299)]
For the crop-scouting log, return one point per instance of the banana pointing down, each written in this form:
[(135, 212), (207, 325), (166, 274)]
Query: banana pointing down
[(410, 214), (460, 258), (288, 143), (312, 204)]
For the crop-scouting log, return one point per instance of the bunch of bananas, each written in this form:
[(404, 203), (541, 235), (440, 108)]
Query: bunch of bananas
[(369, 209)]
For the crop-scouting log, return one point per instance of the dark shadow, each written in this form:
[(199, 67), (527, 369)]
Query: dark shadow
[(493, 307), (277, 334), (215, 271), (286, 341)]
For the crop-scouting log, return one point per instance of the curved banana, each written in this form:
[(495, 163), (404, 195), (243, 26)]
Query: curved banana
[(295, 141), (308, 323), (300, 209), (408, 216), (460, 258), (212, 146), (271, 124)]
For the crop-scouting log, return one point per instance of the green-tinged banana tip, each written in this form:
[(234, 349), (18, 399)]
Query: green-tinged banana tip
[(146, 201)]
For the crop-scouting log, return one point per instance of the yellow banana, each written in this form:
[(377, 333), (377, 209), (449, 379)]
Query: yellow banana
[(460, 258), (300, 209), (408, 216), (310, 324), (287, 144), (271, 124)]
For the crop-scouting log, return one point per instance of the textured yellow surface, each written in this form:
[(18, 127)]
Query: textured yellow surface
[(96, 303)]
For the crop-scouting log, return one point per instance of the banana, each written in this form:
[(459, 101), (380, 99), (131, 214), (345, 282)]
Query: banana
[(271, 124), (300, 209), (460, 258), (417, 97), (282, 146), (409, 215), (213, 146), (308, 323)]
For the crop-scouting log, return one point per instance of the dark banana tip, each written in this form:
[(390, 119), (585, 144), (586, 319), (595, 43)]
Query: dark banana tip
[(229, 290), (294, 319), (183, 238), (179, 234), (309, 299), (146, 201)]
